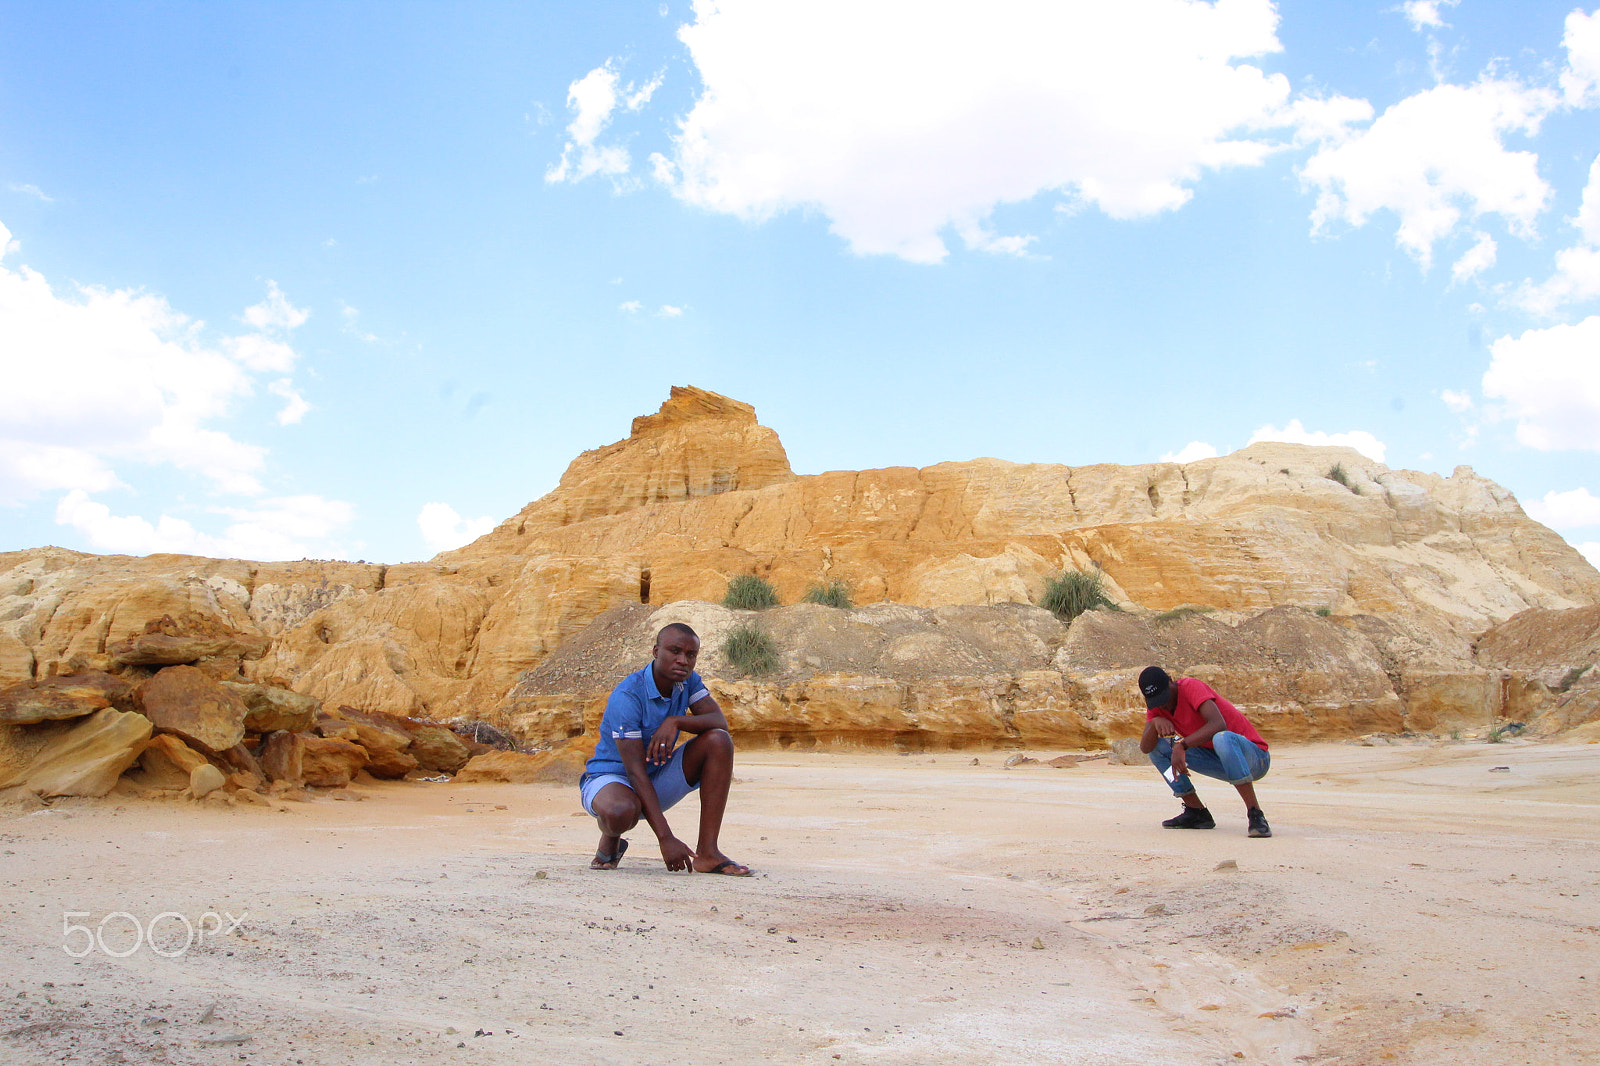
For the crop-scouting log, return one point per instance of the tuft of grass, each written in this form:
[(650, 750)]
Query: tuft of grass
[(1323, 612), (747, 592), (1342, 476), (1073, 593), (829, 594), (750, 650)]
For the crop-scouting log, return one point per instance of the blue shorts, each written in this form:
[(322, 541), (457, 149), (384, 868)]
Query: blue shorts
[(670, 784)]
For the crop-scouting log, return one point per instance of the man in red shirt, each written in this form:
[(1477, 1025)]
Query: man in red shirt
[(1188, 727)]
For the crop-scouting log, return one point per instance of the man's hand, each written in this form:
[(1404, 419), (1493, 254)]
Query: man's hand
[(1164, 727), (1180, 759), (660, 747), (675, 853)]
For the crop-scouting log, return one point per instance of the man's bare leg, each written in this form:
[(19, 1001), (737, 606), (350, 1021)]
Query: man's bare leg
[(1247, 792), (708, 762), (616, 808)]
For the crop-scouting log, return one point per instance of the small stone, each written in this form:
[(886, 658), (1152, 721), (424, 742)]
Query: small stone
[(1038, 944), (540, 876), (1226, 864), (1155, 909)]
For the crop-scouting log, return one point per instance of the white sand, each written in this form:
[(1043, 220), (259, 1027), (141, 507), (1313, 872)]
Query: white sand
[(1413, 907)]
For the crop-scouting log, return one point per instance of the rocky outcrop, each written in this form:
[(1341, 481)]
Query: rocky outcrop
[(1013, 675), (1410, 567)]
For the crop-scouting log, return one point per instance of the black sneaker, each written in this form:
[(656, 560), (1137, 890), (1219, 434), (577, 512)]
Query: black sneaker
[(1258, 824), (1193, 818)]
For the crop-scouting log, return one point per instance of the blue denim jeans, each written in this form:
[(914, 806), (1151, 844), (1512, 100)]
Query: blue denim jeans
[(1231, 758)]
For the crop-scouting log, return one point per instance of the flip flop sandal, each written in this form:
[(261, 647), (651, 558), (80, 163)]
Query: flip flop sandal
[(611, 861)]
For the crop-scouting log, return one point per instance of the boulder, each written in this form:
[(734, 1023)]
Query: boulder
[(63, 696), (374, 731), (437, 748), (560, 766), (282, 758), (387, 763), (268, 708), (168, 762), (183, 700), (329, 763), (167, 641), (88, 758), (240, 759), (205, 780)]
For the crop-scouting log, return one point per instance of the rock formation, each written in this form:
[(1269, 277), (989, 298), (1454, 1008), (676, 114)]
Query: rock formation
[(1345, 595)]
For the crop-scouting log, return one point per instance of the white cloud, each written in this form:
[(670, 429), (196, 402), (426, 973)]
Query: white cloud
[(1458, 402), (1424, 14), (352, 323), (899, 121), (31, 190), (1577, 275), (1325, 120), (1550, 382), (1566, 510), (1590, 550), (668, 311), (1194, 451), (119, 376), (444, 530), (1580, 82), (631, 306), (294, 407), (289, 527), (1432, 157), (592, 99), (275, 313), (1295, 433), (1475, 261)]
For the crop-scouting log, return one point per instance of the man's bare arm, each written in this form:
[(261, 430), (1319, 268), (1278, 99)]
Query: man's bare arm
[(674, 852), (704, 715)]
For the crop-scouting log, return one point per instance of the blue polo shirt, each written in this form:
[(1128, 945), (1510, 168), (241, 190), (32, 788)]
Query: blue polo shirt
[(635, 711)]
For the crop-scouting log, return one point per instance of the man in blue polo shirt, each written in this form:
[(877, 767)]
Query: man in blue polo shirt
[(635, 771)]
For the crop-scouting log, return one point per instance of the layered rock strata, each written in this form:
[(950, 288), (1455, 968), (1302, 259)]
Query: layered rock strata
[(1014, 675)]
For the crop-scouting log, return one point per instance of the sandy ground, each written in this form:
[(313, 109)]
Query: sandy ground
[(1414, 906)]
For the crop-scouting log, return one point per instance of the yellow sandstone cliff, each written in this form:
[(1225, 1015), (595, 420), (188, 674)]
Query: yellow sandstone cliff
[(701, 491)]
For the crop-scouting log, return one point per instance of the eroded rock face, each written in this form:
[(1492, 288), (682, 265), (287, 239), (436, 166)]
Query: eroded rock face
[(845, 678), (1417, 566), (167, 641)]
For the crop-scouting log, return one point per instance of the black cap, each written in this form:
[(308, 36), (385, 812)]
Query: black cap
[(1156, 686)]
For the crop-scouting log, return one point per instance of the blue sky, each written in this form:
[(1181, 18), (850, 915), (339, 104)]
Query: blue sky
[(358, 280)]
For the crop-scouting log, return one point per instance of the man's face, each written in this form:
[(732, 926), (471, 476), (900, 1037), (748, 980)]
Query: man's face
[(675, 653)]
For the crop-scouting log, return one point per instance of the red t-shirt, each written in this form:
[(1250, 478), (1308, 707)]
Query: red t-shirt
[(1186, 717)]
